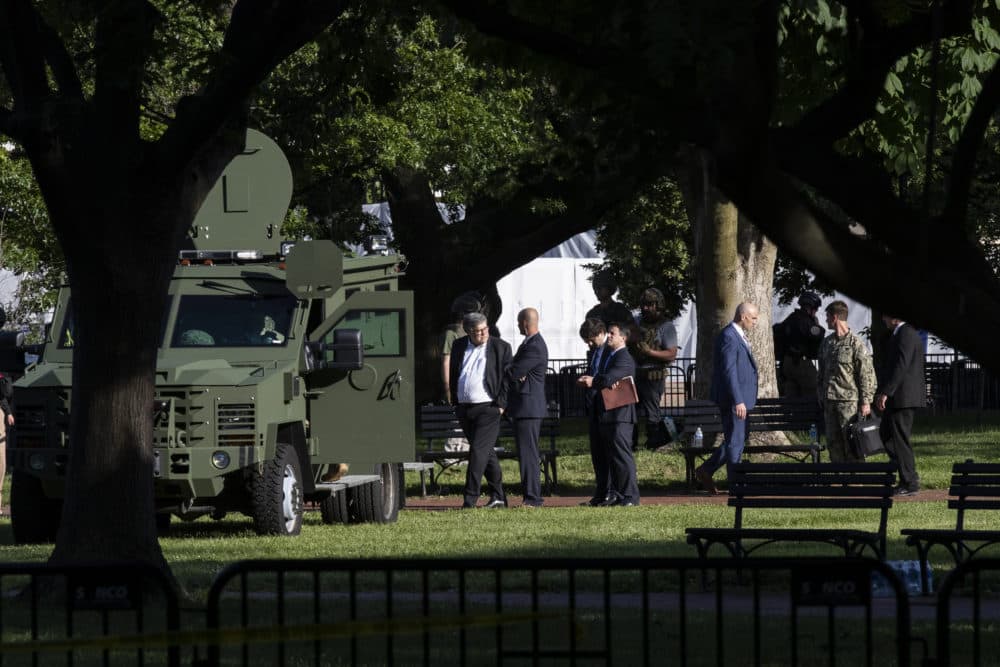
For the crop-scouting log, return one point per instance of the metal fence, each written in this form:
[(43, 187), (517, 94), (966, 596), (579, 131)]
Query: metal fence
[(954, 383), (114, 614), (968, 615), (565, 611)]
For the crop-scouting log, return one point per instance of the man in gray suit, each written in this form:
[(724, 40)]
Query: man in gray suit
[(902, 389), (526, 403), (734, 390)]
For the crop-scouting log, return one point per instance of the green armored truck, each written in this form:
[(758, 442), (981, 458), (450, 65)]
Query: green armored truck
[(279, 362)]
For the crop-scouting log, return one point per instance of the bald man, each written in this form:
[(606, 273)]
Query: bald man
[(526, 404)]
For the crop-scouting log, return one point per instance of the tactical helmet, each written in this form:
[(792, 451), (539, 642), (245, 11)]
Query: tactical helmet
[(603, 278), (810, 300), (654, 296), (467, 302)]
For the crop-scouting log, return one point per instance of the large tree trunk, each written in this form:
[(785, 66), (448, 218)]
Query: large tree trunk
[(734, 262)]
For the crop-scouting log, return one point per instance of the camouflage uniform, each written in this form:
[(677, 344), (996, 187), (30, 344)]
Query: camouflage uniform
[(846, 380)]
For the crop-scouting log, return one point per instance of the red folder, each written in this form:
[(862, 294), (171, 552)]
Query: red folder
[(623, 394)]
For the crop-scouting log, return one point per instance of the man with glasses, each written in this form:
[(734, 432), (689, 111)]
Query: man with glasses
[(478, 389)]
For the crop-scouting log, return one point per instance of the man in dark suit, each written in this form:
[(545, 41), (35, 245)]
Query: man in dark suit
[(526, 403), (616, 425), (479, 391), (595, 335), (901, 391), (734, 390)]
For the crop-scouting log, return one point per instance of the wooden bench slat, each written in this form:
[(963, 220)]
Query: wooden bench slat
[(974, 486), (763, 486), (440, 422)]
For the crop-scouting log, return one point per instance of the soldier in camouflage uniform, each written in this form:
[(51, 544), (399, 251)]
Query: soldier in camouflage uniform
[(846, 381), (653, 345)]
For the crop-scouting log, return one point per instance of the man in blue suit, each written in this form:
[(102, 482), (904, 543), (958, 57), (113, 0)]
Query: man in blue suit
[(616, 425), (526, 403), (734, 390)]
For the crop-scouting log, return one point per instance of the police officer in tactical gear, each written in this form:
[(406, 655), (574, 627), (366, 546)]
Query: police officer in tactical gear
[(607, 309), (653, 346), (797, 340)]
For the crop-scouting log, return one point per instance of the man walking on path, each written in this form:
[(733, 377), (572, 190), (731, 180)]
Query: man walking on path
[(846, 382), (734, 390), (901, 391), (526, 403)]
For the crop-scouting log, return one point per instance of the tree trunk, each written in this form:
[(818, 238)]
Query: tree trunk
[(734, 262)]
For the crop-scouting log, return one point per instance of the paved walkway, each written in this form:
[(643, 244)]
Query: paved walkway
[(454, 501)]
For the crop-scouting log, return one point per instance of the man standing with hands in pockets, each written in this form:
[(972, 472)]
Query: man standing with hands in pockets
[(526, 403)]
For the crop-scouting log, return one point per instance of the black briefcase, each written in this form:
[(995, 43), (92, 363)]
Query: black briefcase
[(863, 436)]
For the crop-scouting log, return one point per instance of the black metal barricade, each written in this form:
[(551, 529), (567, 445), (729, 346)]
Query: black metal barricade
[(79, 615), (559, 611), (968, 615)]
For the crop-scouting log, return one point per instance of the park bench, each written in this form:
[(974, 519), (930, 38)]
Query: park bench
[(439, 422), (974, 486), (807, 486), (770, 414)]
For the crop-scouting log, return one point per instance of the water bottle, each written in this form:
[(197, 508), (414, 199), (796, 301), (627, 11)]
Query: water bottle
[(813, 434), (699, 438)]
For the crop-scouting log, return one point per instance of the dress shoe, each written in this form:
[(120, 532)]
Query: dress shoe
[(530, 506), (905, 490), (593, 502), (610, 501), (627, 503), (702, 477), (497, 503)]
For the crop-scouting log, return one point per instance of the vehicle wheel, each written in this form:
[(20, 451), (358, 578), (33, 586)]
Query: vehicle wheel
[(277, 495), (34, 516), (377, 502), (333, 508)]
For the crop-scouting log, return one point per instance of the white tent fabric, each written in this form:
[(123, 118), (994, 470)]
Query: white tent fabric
[(558, 285)]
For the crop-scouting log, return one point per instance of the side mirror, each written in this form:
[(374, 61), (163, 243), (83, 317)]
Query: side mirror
[(347, 351)]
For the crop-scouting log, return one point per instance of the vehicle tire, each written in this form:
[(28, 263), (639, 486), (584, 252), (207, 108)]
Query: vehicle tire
[(333, 508), (34, 516), (163, 524), (277, 495), (377, 502)]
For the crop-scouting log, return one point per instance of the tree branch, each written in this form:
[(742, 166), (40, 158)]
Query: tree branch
[(260, 35), (964, 160), (22, 62), (854, 103)]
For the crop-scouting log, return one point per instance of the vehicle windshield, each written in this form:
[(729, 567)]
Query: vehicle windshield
[(242, 320)]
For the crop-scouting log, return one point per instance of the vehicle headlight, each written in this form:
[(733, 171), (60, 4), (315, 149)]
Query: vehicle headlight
[(220, 460)]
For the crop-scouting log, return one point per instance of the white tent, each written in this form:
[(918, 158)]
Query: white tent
[(557, 284)]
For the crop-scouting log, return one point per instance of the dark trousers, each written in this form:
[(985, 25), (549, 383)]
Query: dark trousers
[(600, 459), (526, 432), (650, 394), (481, 423), (895, 431), (734, 438), (617, 437)]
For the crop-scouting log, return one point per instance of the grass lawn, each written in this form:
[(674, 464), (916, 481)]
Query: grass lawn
[(199, 549)]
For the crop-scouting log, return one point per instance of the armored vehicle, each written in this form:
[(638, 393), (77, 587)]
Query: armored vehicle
[(279, 362)]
